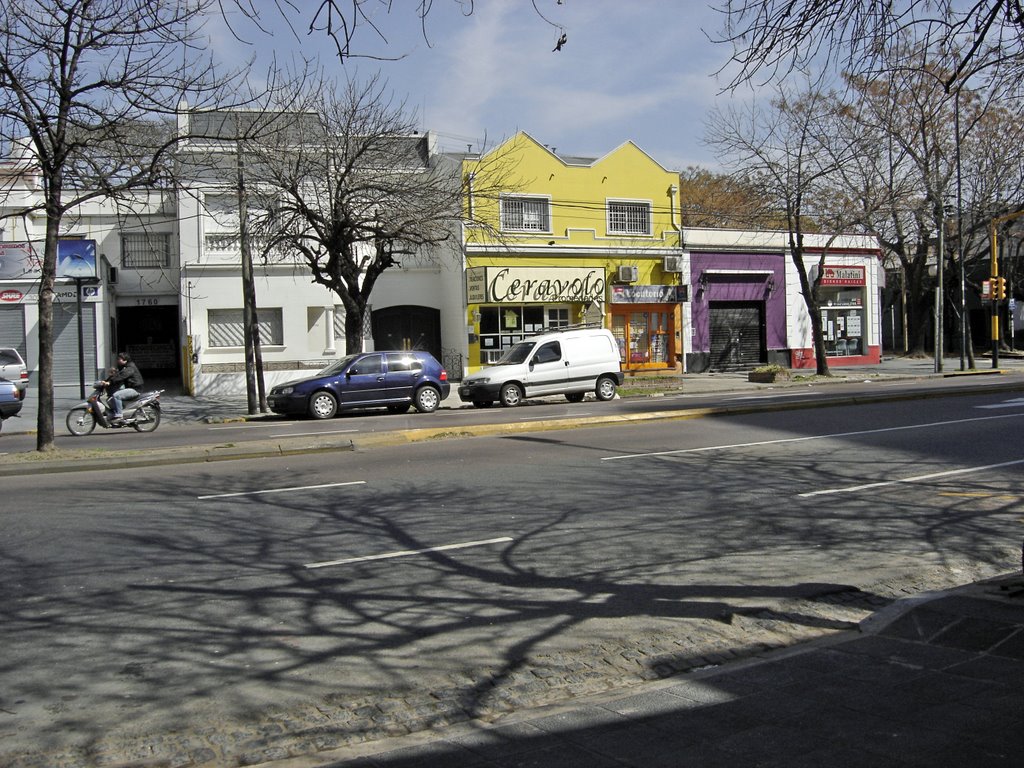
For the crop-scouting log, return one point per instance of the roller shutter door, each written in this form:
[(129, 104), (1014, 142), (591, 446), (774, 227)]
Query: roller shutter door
[(12, 329), (65, 343), (737, 336)]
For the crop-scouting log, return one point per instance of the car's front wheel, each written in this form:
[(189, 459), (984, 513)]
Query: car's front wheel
[(427, 399), (511, 395), (322, 405)]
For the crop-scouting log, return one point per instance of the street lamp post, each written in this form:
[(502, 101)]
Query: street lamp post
[(994, 278)]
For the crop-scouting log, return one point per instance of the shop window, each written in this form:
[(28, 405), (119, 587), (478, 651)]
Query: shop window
[(644, 337), (507, 324), (842, 321)]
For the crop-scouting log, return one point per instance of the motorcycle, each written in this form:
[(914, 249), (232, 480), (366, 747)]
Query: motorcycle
[(141, 414)]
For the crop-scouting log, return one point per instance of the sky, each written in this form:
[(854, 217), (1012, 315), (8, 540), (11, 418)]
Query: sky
[(641, 71)]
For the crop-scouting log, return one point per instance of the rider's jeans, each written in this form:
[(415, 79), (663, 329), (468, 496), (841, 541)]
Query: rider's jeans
[(117, 400)]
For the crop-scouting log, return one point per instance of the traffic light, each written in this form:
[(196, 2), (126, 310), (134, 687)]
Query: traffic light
[(999, 288)]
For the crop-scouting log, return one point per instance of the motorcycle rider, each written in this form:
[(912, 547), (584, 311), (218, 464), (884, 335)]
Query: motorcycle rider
[(122, 384)]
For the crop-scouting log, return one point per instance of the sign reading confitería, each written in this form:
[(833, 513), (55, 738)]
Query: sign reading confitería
[(534, 285)]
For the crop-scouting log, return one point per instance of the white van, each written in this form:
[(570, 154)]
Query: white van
[(569, 362)]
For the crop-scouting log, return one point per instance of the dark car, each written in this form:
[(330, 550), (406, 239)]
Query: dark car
[(392, 380), (11, 400)]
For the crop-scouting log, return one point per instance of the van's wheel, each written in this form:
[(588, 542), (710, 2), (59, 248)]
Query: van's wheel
[(511, 395), (427, 399), (483, 403), (322, 405), (606, 388), (575, 397)]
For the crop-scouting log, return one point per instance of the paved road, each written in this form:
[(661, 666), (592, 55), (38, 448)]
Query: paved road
[(205, 598)]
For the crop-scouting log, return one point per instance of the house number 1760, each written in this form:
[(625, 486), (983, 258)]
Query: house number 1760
[(146, 302)]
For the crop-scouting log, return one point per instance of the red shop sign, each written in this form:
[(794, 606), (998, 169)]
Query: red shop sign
[(836, 275), (11, 294)]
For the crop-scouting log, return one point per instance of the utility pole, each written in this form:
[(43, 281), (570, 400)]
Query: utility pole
[(940, 268)]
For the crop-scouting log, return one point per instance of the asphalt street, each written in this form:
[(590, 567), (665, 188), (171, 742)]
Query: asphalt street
[(875, 676)]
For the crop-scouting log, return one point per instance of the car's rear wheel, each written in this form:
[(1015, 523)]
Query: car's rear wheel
[(399, 407), (483, 403), (323, 405), (427, 399), (511, 395), (606, 388), (575, 397)]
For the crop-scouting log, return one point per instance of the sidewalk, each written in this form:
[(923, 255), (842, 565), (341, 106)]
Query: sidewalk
[(179, 408), (930, 681)]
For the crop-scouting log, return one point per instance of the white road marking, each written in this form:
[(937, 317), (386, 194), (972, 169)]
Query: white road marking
[(325, 432), (560, 416), (408, 552), (281, 490), (783, 441), (917, 479), (254, 426), (1017, 402), (778, 396)]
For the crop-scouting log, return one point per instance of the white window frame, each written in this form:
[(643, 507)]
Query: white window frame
[(623, 219), (520, 221), (224, 327)]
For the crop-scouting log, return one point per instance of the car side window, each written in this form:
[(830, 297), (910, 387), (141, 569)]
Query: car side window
[(371, 364), (549, 353), (402, 362)]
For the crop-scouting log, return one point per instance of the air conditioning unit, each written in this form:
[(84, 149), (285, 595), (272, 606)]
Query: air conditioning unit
[(672, 264), (627, 274)]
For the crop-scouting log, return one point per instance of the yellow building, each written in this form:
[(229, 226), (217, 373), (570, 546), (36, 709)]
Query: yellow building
[(563, 241)]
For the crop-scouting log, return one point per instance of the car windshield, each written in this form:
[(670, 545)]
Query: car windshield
[(338, 366), (517, 353)]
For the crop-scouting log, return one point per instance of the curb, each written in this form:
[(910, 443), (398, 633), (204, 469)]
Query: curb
[(298, 446)]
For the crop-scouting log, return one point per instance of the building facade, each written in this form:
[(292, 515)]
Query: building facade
[(565, 241)]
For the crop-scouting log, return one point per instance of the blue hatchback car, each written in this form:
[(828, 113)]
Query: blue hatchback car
[(393, 380)]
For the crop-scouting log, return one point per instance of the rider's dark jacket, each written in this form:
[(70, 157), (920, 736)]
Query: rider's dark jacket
[(126, 376)]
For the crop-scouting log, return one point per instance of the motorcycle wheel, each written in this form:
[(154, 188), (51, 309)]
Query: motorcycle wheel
[(80, 422), (147, 419)]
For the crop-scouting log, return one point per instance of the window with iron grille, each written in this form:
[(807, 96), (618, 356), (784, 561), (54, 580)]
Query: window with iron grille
[(526, 214), (146, 250), (629, 218), (226, 329)]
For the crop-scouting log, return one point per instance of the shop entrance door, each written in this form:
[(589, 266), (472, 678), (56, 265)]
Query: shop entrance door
[(737, 332)]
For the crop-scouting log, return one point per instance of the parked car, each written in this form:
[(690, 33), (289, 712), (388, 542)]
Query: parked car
[(11, 400), (570, 362), (393, 380), (13, 368)]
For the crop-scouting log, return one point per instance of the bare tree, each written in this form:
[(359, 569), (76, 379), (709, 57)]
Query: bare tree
[(83, 87), (791, 153), (905, 177), (774, 37), (342, 21), (351, 188)]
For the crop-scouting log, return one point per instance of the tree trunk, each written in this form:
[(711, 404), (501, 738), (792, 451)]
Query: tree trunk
[(44, 419)]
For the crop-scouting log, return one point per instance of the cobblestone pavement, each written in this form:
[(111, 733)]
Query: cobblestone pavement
[(436, 700)]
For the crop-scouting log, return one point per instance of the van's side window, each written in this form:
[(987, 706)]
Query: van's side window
[(549, 353)]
